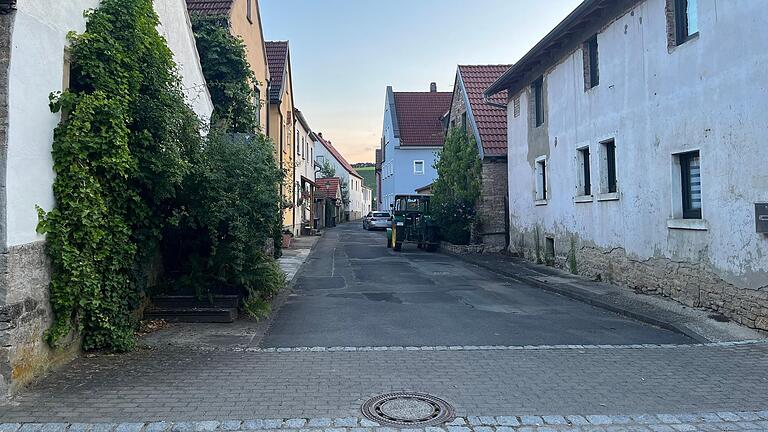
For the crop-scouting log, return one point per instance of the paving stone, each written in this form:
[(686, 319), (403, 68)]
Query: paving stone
[(345, 422), (599, 419), (554, 420), (577, 420), (483, 429), (531, 420), (474, 421), (646, 419), (129, 427), (31, 427), (386, 429), (183, 427), (206, 426), (162, 426), (319, 422), (488, 421), (458, 421), (54, 427), (9, 427), (661, 428), (360, 429), (229, 425), (368, 423), (459, 429), (103, 427), (84, 427), (684, 427), (295, 423), (748, 416)]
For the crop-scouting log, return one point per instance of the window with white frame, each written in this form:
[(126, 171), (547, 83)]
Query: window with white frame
[(541, 179), (418, 167), (608, 181)]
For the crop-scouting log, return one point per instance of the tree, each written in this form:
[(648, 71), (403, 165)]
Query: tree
[(327, 170), (457, 187)]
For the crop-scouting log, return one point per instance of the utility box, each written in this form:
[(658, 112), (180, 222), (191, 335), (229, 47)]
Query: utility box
[(761, 217)]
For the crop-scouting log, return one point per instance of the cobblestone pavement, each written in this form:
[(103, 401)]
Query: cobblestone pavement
[(744, 421), (184, 385)]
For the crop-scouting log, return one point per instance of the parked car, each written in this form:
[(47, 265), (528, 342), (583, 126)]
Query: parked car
[(377, 220)]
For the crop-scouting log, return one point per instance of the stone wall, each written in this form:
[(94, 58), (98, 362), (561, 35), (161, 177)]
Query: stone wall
[(25, 314), (694, 284), (492, 207)]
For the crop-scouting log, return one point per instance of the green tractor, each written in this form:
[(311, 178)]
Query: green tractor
[(412, 223)]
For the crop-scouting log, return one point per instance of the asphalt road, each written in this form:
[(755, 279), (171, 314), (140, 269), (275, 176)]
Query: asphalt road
[(353, 291)]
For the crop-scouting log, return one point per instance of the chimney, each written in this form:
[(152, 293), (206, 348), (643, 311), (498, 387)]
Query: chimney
[(433, 87), (320, 134)]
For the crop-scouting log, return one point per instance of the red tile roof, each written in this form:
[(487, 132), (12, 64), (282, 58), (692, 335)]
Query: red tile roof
[(277, 58), (418, 116), (209, 7), (328, 187), (338, 156), (491, 121)]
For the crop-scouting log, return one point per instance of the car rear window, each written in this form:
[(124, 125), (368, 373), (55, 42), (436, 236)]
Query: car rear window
[(379, 214)]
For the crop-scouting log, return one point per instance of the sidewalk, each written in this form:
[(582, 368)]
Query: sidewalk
[(294, 256), (658, 311)]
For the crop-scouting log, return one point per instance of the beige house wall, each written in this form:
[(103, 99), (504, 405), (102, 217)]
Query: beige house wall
[(250, 31)]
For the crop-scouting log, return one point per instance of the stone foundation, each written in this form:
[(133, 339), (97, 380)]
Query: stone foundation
[(692, 284), (25, 314)]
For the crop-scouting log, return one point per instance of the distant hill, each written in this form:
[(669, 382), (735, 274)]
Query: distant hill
[(363, 165), (369, 177)]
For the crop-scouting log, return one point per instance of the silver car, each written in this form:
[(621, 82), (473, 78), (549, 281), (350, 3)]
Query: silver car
[(377, 220)]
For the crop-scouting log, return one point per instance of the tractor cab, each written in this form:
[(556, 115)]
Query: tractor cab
[(412, 223)]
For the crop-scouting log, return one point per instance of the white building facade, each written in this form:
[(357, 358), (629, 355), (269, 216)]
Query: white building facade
[(33, 64), (636, 150), (326, 152)]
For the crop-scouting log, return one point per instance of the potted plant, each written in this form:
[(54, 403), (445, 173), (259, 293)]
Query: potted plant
[(287, 237)]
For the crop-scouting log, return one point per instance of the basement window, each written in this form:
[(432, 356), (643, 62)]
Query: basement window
[(538, 101), (591, 64)]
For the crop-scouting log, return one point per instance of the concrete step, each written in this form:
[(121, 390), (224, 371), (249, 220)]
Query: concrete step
[(193, 314), (190, 301)]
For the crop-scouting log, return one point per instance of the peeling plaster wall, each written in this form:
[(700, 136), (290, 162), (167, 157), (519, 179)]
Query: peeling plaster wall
[(708, 94)]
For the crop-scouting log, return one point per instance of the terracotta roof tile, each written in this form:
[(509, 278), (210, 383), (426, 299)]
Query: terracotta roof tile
[(328, 187), (338, 156), (209, 7), (277, 57), (418, 116), (491, 121)]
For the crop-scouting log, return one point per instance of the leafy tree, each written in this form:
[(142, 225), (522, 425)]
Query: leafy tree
[(231, 81), (327, 170), (457, 188)]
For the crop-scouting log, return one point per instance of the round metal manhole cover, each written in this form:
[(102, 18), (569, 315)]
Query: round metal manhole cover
[(407, 409)]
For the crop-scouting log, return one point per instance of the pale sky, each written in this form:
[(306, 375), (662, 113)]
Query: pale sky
[(345, 53)]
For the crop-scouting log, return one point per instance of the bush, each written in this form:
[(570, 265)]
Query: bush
[(229, 212), (457, 187)]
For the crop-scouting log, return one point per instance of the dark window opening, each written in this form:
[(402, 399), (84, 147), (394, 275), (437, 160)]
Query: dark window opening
[(586, 181), (610, 157), (593, 78), (542, 172), (686, 20), (464, 120), (249, 10), (538, 101), (690, 170), (549, 252)]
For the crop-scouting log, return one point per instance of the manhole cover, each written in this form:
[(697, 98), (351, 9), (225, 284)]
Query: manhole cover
[(408, 409)]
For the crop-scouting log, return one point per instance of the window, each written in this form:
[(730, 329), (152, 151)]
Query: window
[(249, 10), (608, 176), (690, 176), (516, 106), (464, 120), (538, 101), (686, 20), (541, 179), (591, 64), (585, 182), (257, 103), (418, 167)]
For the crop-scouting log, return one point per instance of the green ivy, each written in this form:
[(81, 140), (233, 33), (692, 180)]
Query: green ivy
[(120, 155), (457, 188), (229, 76)]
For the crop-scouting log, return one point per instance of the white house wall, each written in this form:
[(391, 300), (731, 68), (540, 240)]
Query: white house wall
[(176, 27), (708, 94)]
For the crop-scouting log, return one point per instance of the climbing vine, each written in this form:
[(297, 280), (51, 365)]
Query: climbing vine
[(120, 155), (233, 86)]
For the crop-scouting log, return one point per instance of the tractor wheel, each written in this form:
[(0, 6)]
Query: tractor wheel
[(398, 246)]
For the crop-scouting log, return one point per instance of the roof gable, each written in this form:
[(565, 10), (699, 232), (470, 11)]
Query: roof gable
[(210, 7), (418, 117), (328, 187), (491, 121), (277, 59), (331, 149)]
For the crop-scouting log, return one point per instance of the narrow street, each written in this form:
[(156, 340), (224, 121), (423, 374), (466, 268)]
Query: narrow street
[(363, 320), (353, 291)]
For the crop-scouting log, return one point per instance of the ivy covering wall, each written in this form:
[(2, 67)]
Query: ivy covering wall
[(134, 176)]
